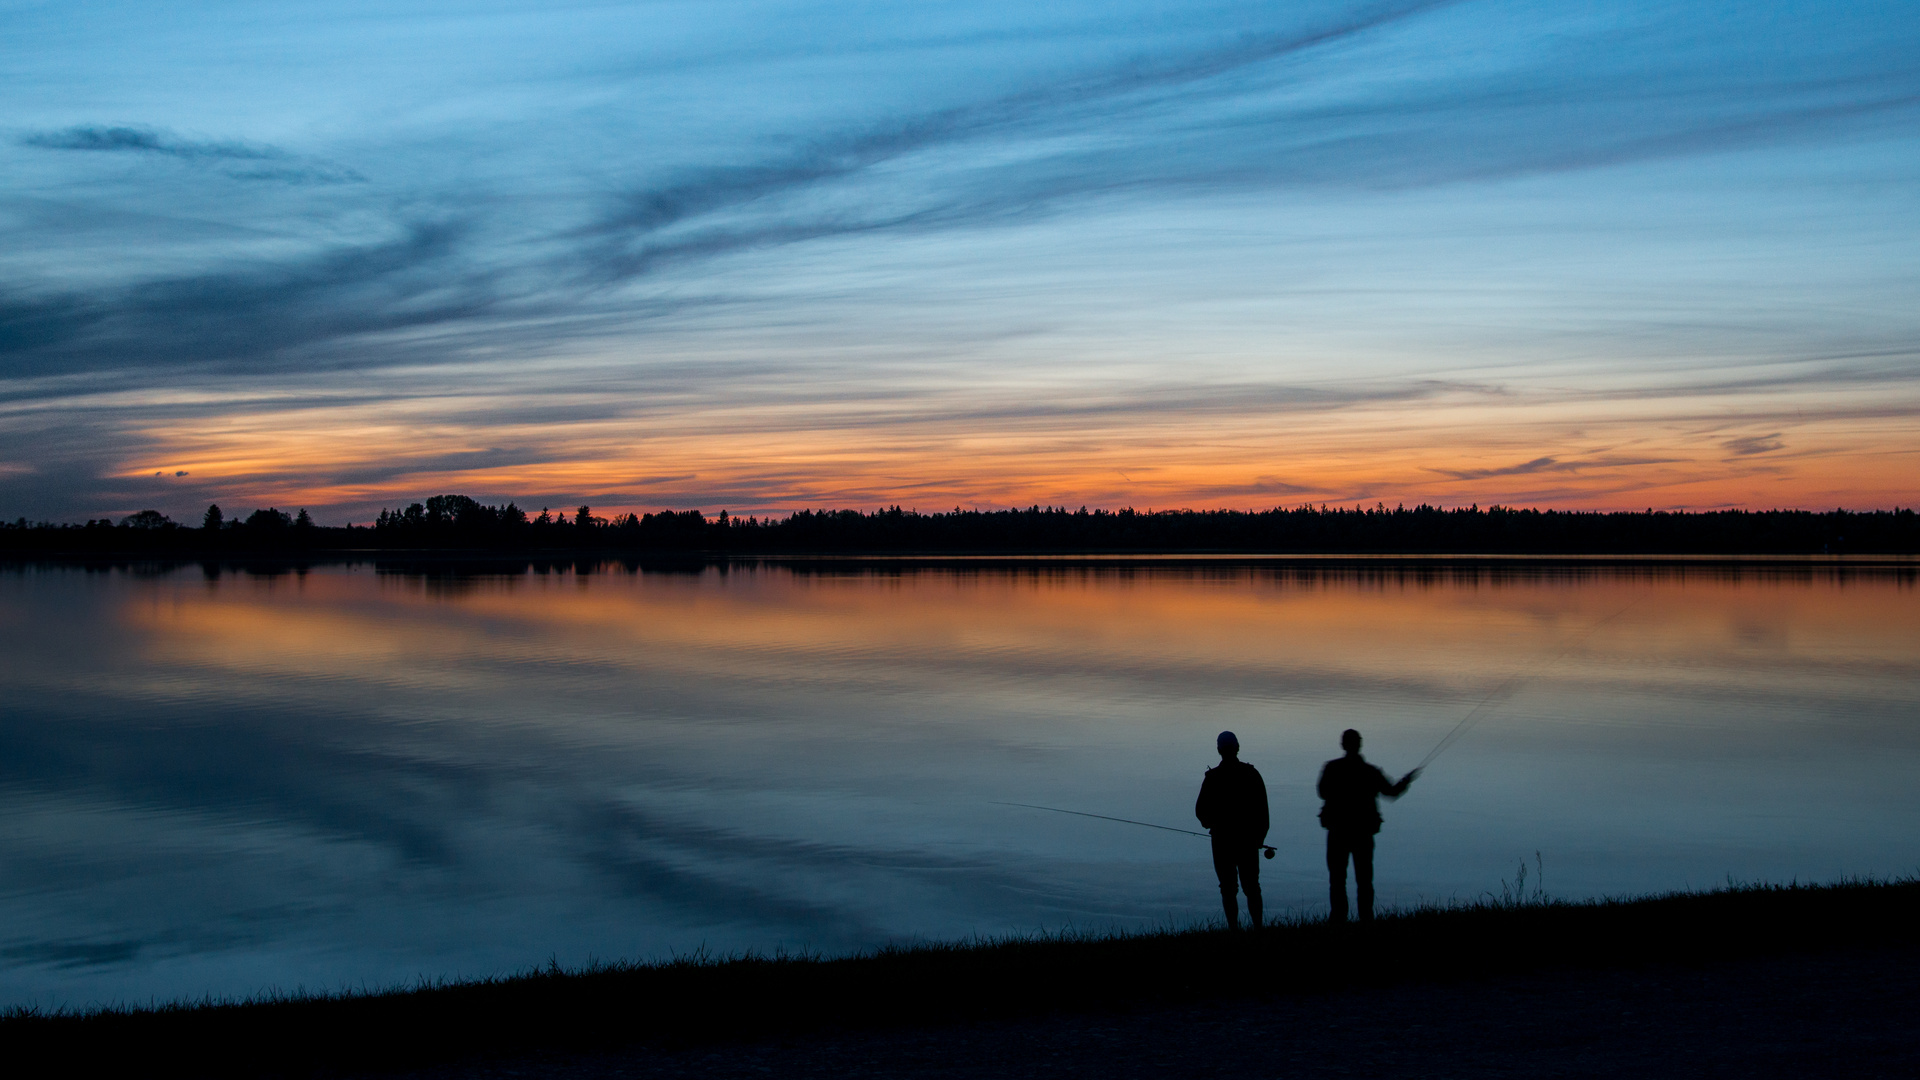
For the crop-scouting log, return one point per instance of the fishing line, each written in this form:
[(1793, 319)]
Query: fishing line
[(1452, 736), (1267, 848), (1504, 688)]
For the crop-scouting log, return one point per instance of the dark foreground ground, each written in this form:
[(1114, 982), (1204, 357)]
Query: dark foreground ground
[(1763, 981), (1852, 1013)]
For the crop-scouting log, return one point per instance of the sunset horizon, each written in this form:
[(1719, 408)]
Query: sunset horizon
[(780, 256), (716, 538)]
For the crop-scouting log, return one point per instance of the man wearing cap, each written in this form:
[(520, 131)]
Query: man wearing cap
[(1233, 807), (1352, 787)]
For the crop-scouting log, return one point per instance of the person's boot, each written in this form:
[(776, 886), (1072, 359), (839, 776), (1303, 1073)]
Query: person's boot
[(1232, 905), (1254, 914)]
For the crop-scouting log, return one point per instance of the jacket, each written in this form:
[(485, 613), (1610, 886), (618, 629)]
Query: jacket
[(1233, 802), (1352, 788)]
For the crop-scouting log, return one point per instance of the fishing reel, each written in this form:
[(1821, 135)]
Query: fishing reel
[(1266, 851)]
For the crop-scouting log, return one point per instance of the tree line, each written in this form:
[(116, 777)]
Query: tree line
[(459, 523)]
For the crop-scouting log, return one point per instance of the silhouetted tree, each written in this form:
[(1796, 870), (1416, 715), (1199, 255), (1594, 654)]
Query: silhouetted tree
[(459, 510), (456, 521)]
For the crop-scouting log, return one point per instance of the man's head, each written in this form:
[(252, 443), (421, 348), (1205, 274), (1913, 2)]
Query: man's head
[(1228, 745), (1350, 741)]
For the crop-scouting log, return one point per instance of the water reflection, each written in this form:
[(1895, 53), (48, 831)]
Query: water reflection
[(215, 779)]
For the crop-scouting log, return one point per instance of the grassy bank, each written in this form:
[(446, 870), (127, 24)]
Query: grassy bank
[(703, 1000)]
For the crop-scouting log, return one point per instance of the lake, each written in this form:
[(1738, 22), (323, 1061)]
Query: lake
[(222, 780)]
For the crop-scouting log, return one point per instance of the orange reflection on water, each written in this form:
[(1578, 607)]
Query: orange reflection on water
[(779, 748), (1261, 632)]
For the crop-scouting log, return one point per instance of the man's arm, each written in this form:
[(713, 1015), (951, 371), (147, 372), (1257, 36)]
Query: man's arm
[(1203, 806), (1260, 788), (1394, 791)]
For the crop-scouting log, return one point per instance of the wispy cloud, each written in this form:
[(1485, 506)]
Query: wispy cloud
[(1249, 114), (260, 162), (631, 235), (1748, 445), (1554, 465), (254, 317), (1070, 231), (147, 141)]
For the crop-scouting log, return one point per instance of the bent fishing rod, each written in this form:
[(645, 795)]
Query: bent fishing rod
[(1265, 849), (1451, 737), (1501, 691)]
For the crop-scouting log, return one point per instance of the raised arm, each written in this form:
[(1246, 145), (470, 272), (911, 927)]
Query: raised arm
[(1394, 791)]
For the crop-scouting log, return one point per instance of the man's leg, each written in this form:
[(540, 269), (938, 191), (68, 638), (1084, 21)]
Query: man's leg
[(1336, 876), (1225, 869), (1363, 874), (1250, 884)]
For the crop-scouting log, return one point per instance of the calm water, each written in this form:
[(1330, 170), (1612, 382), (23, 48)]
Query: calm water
[(216, 782)]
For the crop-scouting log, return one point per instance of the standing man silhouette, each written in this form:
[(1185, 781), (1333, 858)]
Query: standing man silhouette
[(1351, 815), (1233, 807)]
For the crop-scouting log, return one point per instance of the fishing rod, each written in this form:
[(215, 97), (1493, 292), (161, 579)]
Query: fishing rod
[(1265, 849), (1501, 691), (1451, 737)]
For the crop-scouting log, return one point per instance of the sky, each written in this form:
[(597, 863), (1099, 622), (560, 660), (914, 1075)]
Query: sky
[(765, 256)]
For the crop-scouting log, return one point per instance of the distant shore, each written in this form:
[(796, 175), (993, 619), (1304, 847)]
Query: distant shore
[(542, 558), (455, 524), (747, 1000)]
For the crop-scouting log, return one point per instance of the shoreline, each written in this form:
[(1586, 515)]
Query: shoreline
[(457, 522), (1145, 557), (739, 1001)]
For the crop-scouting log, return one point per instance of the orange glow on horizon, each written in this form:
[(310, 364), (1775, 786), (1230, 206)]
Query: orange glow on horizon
[(1453, 450)]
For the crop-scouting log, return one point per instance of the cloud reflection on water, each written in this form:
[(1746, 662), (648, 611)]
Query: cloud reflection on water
[(220, 782)]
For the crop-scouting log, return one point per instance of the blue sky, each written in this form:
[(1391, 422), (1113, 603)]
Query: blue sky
[(774, 255)]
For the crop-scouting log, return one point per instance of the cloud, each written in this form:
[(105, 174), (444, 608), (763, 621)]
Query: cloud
[(678, 233), (1553, 465), (249, 318), (1232, 117), (145, 140), (630, 248), (1754, 444), (1259, 485), (265, 162), (1249, 114), (74, 953), (1539, 464), (456, 462)]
